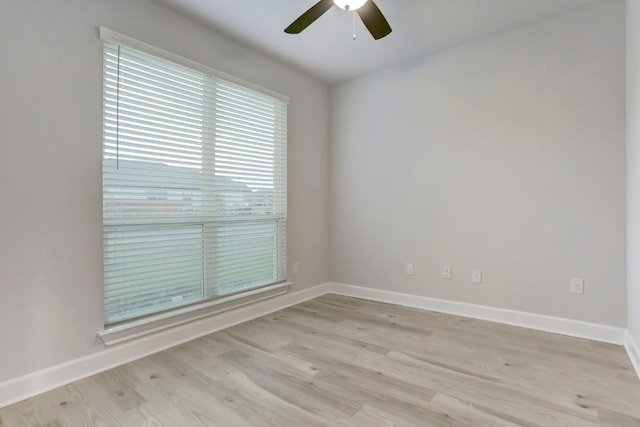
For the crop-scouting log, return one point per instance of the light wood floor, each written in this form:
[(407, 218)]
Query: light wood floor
[(337, 361)]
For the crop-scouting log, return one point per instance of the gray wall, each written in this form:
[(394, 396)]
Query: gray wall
[(50, 166), (507, 154), (633, 168)]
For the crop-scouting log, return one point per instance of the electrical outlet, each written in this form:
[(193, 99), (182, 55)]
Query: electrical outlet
[(410, 269), (476, 275), (577, 285), (296, 267), (446, 272)]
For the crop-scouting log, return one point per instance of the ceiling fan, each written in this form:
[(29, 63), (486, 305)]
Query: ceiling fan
[(371, 16)]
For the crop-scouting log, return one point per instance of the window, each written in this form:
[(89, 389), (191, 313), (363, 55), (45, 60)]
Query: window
[(194, 185)]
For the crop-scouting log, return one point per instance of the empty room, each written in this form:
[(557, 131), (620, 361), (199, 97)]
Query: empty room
[(320, 213)]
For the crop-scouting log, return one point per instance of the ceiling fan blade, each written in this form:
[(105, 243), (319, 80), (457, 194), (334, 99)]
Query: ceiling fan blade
[(374, 20), (307, 18)]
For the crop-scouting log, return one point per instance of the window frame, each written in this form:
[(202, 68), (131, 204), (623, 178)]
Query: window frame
[(137, 326)]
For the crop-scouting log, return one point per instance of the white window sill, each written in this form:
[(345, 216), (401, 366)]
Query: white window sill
[(138, 328)]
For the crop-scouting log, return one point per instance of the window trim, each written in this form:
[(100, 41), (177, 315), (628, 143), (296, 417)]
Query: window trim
[(115, 37), (139, 327), (129, 330)]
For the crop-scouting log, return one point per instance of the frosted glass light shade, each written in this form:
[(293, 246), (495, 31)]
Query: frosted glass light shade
[(349, 4)]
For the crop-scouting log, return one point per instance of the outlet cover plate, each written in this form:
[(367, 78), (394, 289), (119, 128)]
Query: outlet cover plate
[(577, 285), (476, 275), (446, 272), (410, 269)]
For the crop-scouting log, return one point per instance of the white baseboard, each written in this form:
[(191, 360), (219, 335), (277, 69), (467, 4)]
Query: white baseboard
[(633, 350), (38, 382), (574, 328)]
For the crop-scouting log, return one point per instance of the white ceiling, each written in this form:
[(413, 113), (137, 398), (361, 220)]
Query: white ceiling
[(326, 50)]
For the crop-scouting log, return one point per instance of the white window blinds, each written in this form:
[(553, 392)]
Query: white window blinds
[(194, 185)]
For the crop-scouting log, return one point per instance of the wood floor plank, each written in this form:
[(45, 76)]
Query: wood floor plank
[(303, 393), (340, 361), (471, 414)]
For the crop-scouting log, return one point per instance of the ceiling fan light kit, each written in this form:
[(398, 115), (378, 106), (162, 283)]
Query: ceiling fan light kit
[(370, 14), (349, 4)]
